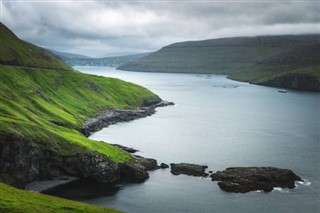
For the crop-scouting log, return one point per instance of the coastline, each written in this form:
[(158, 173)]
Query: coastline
[(137, 172), (109, 117)]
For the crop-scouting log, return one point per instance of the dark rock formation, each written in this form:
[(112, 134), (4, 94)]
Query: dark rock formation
[(133, 172), (295, 81), (188, 169), (246, 179), (22, 161), (19, 161), (127, 149), (164, 166), (109, 117), (149, 163)]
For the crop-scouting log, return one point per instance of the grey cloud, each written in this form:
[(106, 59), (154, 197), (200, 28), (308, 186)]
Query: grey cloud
[(100, 28)]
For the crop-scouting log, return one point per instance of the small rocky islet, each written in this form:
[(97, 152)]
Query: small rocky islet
[(189, 169), (246, 179), (233, 179), (242, 179)]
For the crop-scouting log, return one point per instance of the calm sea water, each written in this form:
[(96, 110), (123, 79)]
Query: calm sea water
[(219, 123)]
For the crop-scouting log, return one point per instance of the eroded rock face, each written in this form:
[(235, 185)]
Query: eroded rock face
[(94, 165), (246, 179), (19, 161), (133, 172), (188, 169), (23, 161), (295, 81), (149, 163)]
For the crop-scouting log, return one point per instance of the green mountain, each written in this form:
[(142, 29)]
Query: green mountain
[(21, 53), (290, 61), (43, 104)]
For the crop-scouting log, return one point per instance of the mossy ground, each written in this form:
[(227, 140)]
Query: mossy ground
[(13, 200)]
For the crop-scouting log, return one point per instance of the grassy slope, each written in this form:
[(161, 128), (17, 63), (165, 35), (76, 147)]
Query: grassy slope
[(14, 51), (19, 201), (45, 104), (252, 59)]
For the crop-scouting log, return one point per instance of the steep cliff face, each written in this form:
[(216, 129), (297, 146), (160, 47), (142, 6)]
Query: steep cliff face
[(19, 160), (22, 161), (295, 81)]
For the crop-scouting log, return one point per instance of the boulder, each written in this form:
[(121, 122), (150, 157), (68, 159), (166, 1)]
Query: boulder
[(149, 163), (188, 169), (246, 179), (164, 166), (133, 172)]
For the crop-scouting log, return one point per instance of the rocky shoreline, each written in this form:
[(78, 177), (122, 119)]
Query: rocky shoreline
[(91, 165), (109, 117), (100, 168)]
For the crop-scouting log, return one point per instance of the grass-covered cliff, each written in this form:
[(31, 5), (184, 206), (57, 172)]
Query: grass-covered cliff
[(43, 104), (290, 61)]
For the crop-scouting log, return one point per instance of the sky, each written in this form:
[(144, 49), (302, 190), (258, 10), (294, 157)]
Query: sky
[(100, 28)]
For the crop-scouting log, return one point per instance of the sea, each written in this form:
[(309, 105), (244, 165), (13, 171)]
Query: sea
[(220, 123)]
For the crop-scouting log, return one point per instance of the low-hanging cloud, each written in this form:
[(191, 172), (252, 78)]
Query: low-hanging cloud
[(100, 28)]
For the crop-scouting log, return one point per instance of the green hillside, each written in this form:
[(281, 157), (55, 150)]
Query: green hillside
[(14, 51), (261, 60), (46, 104), (13, 200), (43, 103)]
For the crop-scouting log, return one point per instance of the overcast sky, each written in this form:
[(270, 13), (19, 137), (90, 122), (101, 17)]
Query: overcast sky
[(106, 28)]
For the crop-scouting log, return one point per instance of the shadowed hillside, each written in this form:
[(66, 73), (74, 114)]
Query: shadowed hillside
[(17, 52), (265, 60)]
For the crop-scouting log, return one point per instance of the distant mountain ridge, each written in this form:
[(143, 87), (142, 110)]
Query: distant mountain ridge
[(258, 60), (81, 60), (66, 56)]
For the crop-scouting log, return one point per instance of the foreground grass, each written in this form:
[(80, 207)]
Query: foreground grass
[(13, 200)]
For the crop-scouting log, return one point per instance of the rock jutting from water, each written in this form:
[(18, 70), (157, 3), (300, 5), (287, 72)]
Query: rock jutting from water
[(164, 166), (188, 169), (148, 163), (246, 179)]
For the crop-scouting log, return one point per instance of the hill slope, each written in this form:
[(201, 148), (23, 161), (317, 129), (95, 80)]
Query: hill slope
[(269, 60), (14, 51), (43, 104)]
